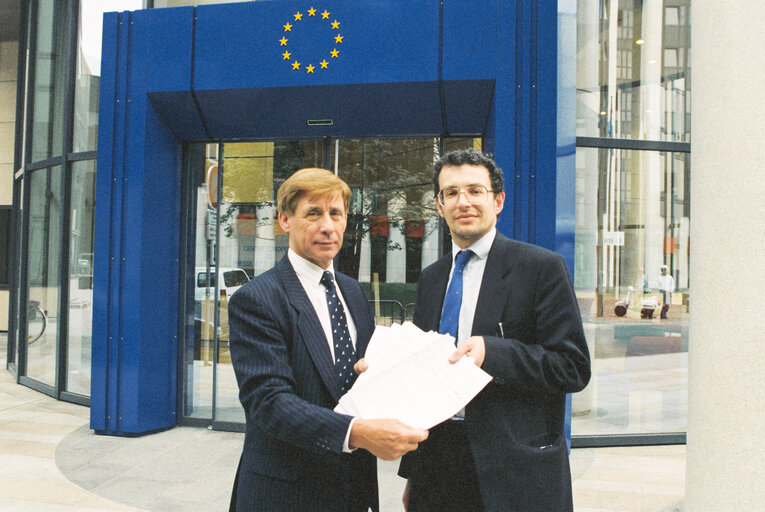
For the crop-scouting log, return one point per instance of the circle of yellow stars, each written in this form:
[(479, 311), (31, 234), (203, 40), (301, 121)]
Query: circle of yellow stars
[(333, 54)]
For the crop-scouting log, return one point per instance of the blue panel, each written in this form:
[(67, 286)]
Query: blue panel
[(504, 130), (181, 114), (160, 49), (356, 110), (238, 45), (134, 344), (523, 120), (468, 104), (470, 39), (545, 21), (99, 358), (157, 301), (400, 109)]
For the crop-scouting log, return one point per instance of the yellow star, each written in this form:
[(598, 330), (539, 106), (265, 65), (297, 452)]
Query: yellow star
[(338, 38), (288, 28), (283, 41), (296, 65), (298, 16), (334, 53), (311, 12), (324, 64), (325, 15), (286, 55), (335, 25), (309, 68)]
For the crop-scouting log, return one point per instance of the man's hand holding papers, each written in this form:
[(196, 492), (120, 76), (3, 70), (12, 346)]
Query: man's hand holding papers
[(410, 378)]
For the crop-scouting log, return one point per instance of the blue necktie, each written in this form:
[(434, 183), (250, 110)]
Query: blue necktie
[(450, 315), (345, 355)]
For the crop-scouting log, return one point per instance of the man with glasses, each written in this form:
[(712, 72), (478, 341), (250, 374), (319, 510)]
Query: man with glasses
[(511, 308)]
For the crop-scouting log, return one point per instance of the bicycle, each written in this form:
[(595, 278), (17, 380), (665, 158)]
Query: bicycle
[(33, 313)]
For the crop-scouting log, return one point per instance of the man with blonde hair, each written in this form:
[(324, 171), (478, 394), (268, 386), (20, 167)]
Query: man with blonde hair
[(296, 332)]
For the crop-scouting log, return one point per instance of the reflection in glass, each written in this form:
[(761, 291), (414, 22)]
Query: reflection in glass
[(49, 80), (81, 277), (88, 72), (393, 225), (633, 69), (42, 273), (632, 217)]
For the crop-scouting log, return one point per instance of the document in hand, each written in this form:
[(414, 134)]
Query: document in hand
[(411, 379)]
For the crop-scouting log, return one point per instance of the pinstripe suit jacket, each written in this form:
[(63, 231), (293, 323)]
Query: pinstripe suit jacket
[(292, 457)]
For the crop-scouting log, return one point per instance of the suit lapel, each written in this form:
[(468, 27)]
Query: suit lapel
[(495, 287), (311, 331)]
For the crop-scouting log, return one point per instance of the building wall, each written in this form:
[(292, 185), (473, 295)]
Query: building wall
[(8, 65), (725, 453)]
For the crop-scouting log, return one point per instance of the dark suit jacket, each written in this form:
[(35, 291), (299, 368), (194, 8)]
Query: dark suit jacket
[(292, 457), (515, 425)]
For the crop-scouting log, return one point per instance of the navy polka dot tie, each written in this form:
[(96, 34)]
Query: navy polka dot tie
[(345, 355), (450, 315)]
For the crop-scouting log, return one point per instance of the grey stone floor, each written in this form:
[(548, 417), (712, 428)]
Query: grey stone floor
[(50, 461)]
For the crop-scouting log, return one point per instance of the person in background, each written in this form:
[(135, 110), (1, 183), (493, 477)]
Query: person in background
[(666, 287), (641, 284)]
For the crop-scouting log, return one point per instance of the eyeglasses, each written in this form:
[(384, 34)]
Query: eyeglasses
[(475, 194)]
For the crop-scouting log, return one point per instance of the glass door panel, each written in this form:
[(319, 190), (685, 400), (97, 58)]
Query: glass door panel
[(81, 277), (249, 240), (42, 274), (633, 218), (200, 286), (237, 238)]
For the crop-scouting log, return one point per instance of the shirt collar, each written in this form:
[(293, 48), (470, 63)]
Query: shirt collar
[(480, 247), (307, 270)]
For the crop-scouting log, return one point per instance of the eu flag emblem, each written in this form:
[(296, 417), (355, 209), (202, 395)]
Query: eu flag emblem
[(310, 40)]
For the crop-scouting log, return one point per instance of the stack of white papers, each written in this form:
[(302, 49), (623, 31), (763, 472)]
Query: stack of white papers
[(411, 379)]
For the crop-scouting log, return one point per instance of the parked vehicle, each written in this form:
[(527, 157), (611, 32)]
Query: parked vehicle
[(230, 278)]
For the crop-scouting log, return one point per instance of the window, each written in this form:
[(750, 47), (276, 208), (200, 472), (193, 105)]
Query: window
[(235, 278), (672, 16), (633, 200)]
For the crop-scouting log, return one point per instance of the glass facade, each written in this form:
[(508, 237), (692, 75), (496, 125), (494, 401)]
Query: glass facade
[(632, 198), (633, 69), (56, 165), (633, 175), (48, 93)]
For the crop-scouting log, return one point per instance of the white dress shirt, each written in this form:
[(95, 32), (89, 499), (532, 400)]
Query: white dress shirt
[(471, 281), (309, 274), (472, 277)]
